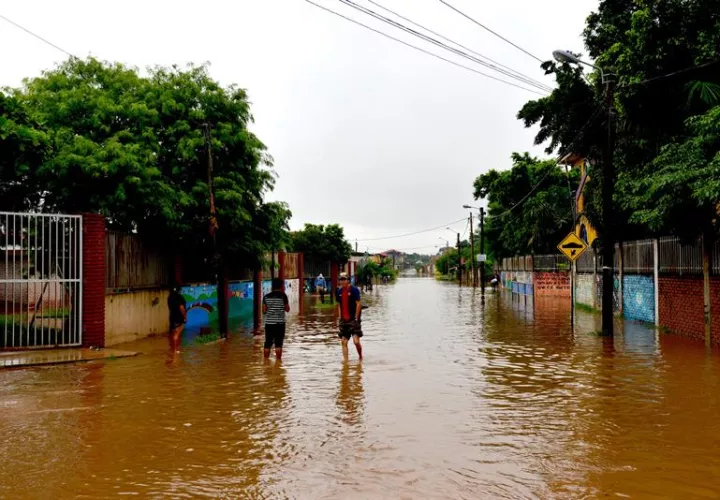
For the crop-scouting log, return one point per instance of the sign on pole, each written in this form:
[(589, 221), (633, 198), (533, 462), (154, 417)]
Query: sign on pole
[(572, 247), (481, 257)]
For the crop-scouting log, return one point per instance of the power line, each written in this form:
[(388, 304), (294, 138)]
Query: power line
[(674, 73), (491, 31), (459, 44), (419, 48), (37, 36), (442, 226), (492, 64), (424, 37)]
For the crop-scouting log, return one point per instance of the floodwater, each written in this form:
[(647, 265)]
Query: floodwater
[(455, 399)]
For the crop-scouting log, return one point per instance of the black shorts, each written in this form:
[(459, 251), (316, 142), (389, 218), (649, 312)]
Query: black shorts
[(176, 324), (350, 328), (274, 334)]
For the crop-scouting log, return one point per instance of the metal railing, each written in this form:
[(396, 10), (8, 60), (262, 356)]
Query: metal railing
[(40, 280), (638, 257), (678, 258), (549, 263)]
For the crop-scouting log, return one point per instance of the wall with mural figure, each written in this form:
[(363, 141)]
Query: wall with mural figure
[(202, 306), (292, 289)]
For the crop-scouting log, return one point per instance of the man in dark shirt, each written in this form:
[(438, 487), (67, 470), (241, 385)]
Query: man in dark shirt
[(349, 310), (275, 305), (178, 317)]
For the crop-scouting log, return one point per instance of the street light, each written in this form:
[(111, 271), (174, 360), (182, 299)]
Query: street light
[(608, 186)]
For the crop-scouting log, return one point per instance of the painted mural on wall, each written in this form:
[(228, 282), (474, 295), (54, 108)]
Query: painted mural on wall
[(202, 306), (292, 289), (639, 298)]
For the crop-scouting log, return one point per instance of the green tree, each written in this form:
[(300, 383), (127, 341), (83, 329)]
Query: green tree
[(136, 150), (23, 147), (529, 208), (641, 43), (322, 243)]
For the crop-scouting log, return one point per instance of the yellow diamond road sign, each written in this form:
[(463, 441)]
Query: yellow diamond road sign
[(572, 247)]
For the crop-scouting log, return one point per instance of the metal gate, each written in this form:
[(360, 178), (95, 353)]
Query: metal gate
[(40, 280)]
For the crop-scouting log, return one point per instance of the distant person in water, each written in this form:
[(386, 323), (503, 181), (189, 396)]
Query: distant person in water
[(275, 305), (321, 285), (349, 310), (178, 317)]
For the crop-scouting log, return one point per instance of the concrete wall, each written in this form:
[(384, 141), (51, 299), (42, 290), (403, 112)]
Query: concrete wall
[(585, 289), (552, 284), (639, 298), (135, 315)]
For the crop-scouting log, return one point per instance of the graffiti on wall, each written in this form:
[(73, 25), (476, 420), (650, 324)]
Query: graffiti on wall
[(552, 284), (639, 298), (202, 303)]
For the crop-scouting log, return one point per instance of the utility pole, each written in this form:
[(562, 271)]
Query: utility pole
[(472, 251), (459, 269), (218, 262), (482, 249), (608, 187)]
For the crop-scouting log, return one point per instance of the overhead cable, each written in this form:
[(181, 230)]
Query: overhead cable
[(523, 79), (37, 36), (420, 49), (442, 226), (491, 31)]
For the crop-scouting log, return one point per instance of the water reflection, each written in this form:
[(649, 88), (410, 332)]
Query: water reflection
[(455, 399), (350, 398)]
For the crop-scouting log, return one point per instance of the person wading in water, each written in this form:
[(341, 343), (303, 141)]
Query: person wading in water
[(178, 317), (275, 305), (349, 310)]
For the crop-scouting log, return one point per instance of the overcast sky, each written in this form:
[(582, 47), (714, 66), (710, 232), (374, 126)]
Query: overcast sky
[(365, 132)]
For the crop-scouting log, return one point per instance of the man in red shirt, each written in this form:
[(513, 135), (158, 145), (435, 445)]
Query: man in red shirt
[(349, 310)]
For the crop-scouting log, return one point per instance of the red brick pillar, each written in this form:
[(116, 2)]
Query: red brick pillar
[(333, 280), (178, 271), (93, 282), (301, 279), (257, 299), (281, 268)]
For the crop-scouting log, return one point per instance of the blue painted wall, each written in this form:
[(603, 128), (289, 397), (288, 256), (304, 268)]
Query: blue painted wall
[(639, 298)]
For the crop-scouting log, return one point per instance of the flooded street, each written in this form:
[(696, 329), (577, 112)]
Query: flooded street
[(455, 399)]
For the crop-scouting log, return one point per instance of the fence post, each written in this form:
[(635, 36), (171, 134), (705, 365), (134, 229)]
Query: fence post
[(301, 280), (223, 299), (257, 299), (656, 278), (333, 280), (281, 268), (621, 276), (706, 286), (92, 302), (594, 281)]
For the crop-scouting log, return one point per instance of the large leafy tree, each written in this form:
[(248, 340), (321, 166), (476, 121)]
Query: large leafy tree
[(664, 54), (529, 208), (322, 243), (23, 146), (137, 150)]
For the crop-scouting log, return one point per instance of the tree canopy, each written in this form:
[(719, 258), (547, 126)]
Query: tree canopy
[(99, 137), (541, 190), (664, 55), (322, 243)]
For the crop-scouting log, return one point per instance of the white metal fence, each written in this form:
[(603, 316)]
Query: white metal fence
[(40, 280)]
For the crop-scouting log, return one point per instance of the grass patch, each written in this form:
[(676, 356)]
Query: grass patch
[(586, 308), (206, 339), (326, 305)]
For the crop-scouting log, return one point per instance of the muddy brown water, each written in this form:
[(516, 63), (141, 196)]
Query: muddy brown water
[(455, 399)]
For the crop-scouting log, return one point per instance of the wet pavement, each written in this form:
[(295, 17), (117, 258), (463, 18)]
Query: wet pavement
[(455, 399)]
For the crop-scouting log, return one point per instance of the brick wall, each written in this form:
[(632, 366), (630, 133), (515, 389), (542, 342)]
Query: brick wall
[(93, 315), (555, 284), (681, 305), (639, 297), (715, 309)]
